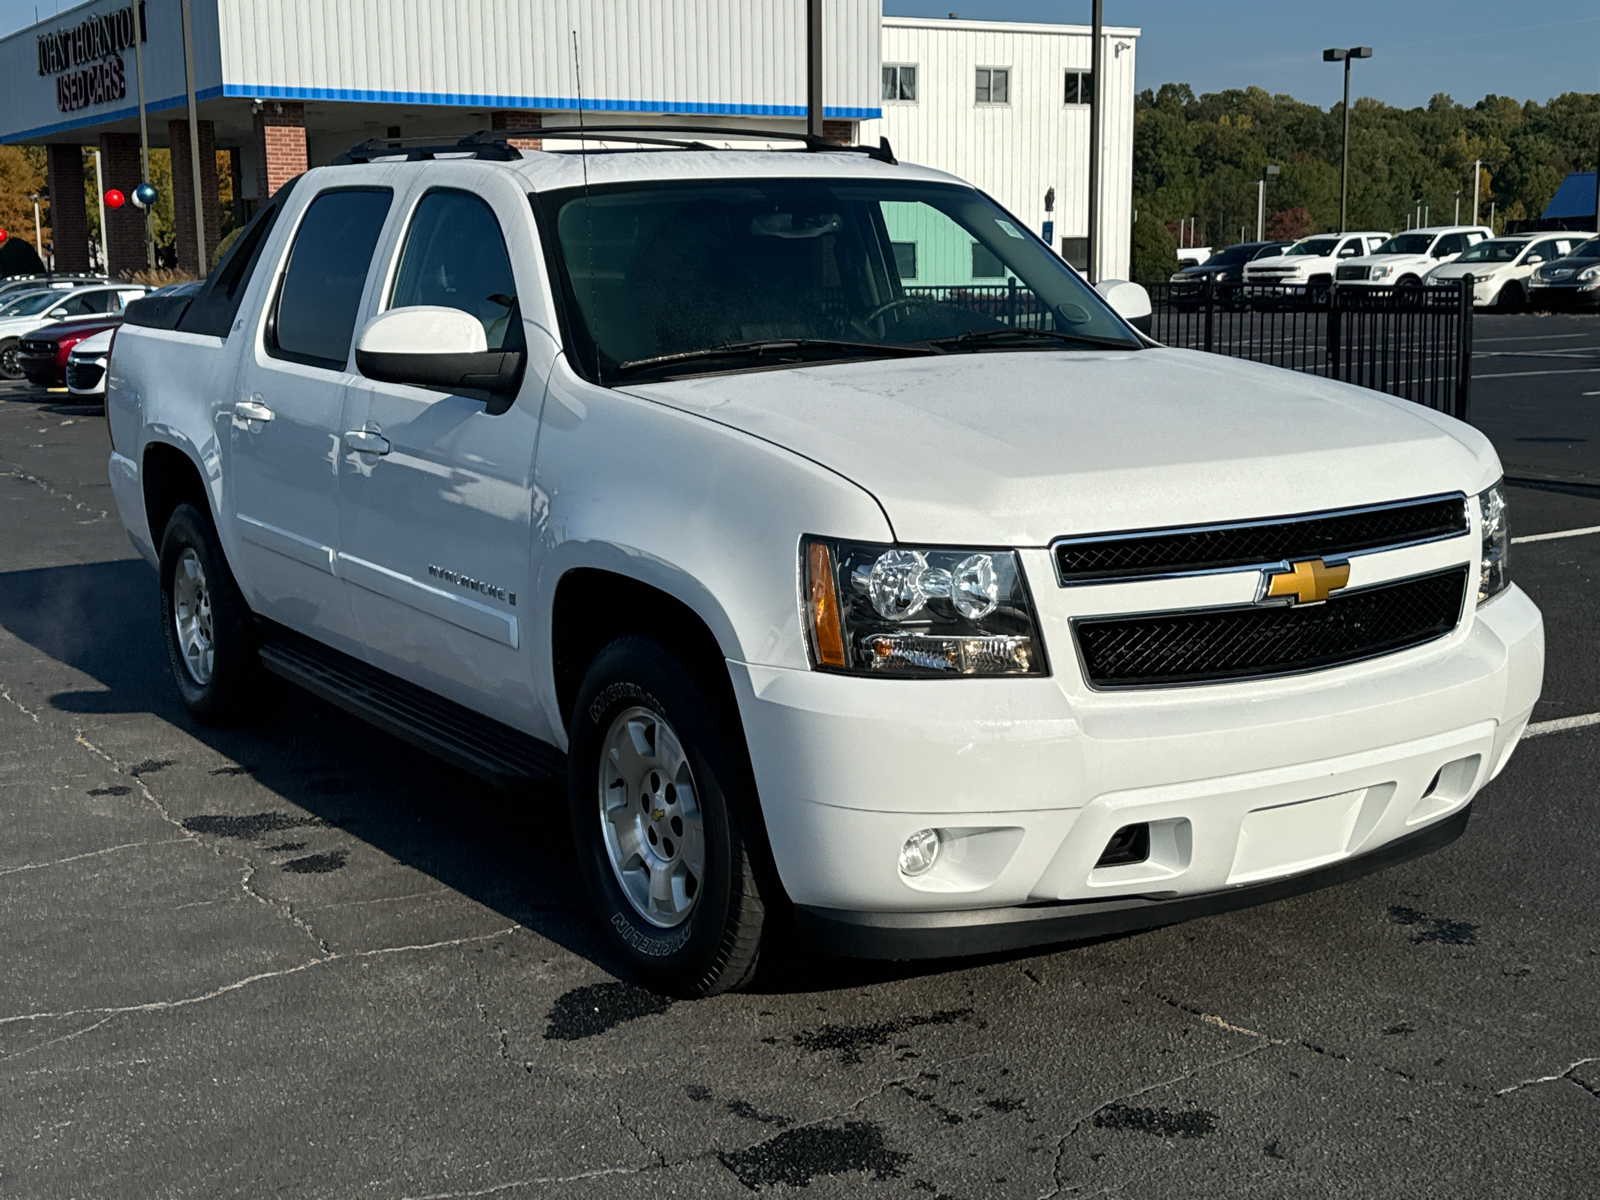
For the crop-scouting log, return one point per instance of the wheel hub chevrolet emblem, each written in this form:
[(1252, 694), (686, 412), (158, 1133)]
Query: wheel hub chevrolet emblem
[(1310, 581)]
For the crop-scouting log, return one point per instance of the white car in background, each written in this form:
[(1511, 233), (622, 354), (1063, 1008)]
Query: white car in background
[(86, 366), (1405, 258), (1501, 268), (34, 310), (1312, 259)]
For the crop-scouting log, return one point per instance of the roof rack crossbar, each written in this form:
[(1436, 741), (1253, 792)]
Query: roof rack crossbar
[(493, 146), (490, 145)]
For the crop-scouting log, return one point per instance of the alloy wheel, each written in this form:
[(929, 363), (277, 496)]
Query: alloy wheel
[(191, 617)]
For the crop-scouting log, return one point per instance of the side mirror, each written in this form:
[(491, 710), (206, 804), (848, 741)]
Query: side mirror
[(1128, 300), (443, 349)]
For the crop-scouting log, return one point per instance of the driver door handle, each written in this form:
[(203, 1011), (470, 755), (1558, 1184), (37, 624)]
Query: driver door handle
[(364, 441), (246, 411)]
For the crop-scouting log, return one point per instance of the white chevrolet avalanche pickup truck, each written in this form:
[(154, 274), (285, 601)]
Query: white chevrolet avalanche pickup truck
[(851, 593)]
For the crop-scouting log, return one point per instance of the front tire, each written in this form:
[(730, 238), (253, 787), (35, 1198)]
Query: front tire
[(10, 366), (1510, 299), (658, 801), (208, 627)]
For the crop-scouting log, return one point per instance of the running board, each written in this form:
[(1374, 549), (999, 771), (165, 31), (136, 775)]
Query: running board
[(494, 752)]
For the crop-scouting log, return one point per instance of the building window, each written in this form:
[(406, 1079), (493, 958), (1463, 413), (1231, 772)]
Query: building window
[(900, 83), (905, 259), (1080, 88), (985, 263), (994, 85), (1076, 251)]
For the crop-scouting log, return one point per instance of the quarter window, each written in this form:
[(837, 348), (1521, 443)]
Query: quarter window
[(1080, 88), (455, 257), (900, 82), (315, 316), (994, 85)]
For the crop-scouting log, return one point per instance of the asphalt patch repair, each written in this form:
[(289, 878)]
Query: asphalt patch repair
[(1162, 1122), (594, 1009), (797, 1156), (1434, 929), (229, 826), (851, 1040)]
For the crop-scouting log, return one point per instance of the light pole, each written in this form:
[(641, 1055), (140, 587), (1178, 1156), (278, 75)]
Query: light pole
[(38, 227), (1096, 111), (1477, 174), (1345, 56), (1270, 170), (1457, 221)]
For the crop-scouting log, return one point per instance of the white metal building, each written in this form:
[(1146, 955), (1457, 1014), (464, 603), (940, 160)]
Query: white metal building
[(1006, 106), (287, 84)]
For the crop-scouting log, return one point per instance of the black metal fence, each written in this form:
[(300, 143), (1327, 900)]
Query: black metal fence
[(1412, 342)]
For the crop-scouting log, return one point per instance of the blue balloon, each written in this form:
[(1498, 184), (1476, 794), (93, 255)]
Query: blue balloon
[(144, 195)]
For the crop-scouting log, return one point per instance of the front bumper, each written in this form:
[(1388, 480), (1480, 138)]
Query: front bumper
[(1564, 297), (1241, 785)]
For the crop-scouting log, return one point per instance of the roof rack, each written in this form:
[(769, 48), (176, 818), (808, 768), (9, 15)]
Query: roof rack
[(493, 145), (485, 144)]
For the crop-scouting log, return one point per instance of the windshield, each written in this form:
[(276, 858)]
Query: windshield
[(1270, 252), (706, 272), (31, 303), (1407, 243), (1232, 254), (1495, 251), (1319, 247), (1589, 249)]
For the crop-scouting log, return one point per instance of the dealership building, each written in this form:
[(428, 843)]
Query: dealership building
[(282, 85)]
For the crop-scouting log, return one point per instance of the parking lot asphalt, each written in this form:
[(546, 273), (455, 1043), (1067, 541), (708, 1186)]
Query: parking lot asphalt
[(304, 959)]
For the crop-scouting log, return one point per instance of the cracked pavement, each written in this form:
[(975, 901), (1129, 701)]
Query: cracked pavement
[(303, 958)]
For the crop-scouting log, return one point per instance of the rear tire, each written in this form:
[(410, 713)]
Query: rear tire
[(1510, 299), (658, 801), (208, 628)]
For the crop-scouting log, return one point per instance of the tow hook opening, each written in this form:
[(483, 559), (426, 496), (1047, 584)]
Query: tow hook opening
[(1130, 844)]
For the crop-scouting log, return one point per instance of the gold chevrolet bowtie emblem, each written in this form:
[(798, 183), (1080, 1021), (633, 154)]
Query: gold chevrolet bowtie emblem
[(657, 813), (1307, 582)]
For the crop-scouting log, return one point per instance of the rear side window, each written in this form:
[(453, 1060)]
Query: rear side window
[(455, 257), (315, 314), (217, 303)]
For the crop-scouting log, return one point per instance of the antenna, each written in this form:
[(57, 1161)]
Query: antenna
[(588, 212)]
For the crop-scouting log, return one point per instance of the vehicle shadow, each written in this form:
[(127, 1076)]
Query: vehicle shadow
[(508, 850)]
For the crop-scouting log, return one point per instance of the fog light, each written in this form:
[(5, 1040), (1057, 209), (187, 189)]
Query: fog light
[(920, 852)]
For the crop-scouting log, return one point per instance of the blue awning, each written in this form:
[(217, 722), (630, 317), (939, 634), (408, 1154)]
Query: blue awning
[(1574, 198)]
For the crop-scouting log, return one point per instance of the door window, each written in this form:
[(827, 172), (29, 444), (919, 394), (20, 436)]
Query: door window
[(1449, 244), (455, 256), (315, 316)]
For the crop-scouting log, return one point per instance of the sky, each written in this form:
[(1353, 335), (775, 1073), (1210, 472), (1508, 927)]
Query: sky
[(1528, 49)]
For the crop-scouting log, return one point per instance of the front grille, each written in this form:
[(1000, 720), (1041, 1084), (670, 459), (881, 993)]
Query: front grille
[(1222, 547), (83, 376), (35, 346), (1352, 273), (1258, 642)]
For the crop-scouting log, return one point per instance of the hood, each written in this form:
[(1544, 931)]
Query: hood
[(1016, 449), (1572, 264), (1381, 260), (94, 345), (73, 327)]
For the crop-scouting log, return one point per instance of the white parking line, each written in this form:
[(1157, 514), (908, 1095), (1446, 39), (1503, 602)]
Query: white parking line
[(1561, 724), (1532, 337), (1550, 537), (1525, 374)]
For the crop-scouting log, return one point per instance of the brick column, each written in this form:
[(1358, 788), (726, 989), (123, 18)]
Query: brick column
[(119, 163), (183, 193), (518, 120), (280, 145), (69, 219), (840, 131)]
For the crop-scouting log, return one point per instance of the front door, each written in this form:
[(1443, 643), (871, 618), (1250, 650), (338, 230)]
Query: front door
[(436, 501), (286, 421)]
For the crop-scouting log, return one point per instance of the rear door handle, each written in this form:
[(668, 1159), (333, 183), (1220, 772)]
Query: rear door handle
[(365, 441), (246, 411)]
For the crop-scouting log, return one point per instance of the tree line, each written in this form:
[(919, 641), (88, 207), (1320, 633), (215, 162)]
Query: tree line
[(1200, 157)]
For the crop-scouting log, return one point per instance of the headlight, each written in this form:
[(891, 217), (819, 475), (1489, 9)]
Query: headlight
[(1382, 271), (1493, 572), (926, 612), (1589, 273)]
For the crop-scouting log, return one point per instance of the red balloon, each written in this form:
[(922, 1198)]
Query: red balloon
[(114, 198), (3, 236)]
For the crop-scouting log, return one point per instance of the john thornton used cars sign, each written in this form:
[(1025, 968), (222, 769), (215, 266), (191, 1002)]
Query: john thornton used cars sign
[(87, 59)]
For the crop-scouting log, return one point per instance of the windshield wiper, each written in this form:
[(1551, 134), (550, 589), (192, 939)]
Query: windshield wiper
[(994, 335), (775, 346)]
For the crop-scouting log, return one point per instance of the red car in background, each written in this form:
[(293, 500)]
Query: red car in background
[(42, 354)]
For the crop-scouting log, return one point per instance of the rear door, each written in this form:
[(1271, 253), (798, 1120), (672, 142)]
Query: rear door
[(285, 426), (436, 501)]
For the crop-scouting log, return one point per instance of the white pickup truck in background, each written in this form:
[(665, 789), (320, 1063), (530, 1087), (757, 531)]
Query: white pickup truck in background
[(843, 603)]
